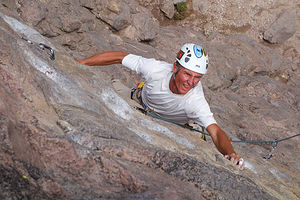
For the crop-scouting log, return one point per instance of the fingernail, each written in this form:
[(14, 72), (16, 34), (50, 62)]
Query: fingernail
[(240, 161)]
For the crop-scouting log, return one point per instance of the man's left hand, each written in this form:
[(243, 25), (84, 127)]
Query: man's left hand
[(236, 160)]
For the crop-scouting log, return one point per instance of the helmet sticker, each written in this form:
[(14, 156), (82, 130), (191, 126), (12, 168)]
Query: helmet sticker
[(204, 52), (198, 51), (180, 54)]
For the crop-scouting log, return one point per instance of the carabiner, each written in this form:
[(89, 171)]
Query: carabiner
[(43, 46)]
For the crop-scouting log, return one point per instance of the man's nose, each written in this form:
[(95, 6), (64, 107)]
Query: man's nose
[(191, 81)]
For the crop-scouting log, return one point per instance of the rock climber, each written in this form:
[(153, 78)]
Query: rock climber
[(174, 91)]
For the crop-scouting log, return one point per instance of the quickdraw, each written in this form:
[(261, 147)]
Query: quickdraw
[(42, 47), (274, 146)]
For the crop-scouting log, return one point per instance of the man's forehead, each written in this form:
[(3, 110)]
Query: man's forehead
[(191, 72)]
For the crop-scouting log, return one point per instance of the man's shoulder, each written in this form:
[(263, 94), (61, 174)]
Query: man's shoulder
[(197, 91), (195, 96), (145, 59), (145, 66)]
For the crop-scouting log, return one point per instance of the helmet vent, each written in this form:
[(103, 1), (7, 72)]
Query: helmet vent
[(188, 56)]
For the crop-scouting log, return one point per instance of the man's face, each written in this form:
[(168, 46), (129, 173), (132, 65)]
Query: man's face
[(185, 80)]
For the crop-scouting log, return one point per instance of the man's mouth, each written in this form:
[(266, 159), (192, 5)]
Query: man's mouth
[(186, 87)]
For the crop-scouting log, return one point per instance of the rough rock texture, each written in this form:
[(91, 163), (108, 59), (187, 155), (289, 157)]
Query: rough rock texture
[(167, 7), (283, 28), (67, 133), (122, 14)]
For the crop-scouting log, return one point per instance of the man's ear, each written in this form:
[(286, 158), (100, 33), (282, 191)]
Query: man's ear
[(175, 68)]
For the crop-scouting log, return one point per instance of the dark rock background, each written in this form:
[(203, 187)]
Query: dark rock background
[(68, 133)]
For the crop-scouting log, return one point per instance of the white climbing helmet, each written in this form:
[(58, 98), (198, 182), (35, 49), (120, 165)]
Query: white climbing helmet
[(193, 57)]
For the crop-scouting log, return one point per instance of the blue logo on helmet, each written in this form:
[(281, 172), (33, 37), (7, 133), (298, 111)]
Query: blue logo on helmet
[(198, 51)]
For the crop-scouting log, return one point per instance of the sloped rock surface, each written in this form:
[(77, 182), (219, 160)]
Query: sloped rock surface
[(222, 182), (283, 28), (66, 134)]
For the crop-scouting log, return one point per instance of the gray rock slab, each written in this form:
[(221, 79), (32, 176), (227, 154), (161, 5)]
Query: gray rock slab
[(283, 28)]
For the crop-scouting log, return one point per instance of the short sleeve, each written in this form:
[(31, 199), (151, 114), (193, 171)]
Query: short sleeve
[(144, 66)]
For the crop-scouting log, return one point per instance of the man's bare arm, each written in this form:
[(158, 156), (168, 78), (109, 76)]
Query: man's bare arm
[(223, 143), (104, 58)]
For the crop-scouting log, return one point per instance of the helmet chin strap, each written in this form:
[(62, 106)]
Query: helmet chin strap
[(174, 74), (178, 68)]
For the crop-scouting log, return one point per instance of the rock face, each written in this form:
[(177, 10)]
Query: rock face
[(167, 7), (283, 28), (67, 132)]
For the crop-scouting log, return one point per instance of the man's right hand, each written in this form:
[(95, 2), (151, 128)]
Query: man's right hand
[(236, 160), (80, 61)]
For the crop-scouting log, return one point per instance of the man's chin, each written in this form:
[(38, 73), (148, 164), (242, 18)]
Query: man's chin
[(184, 91)]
